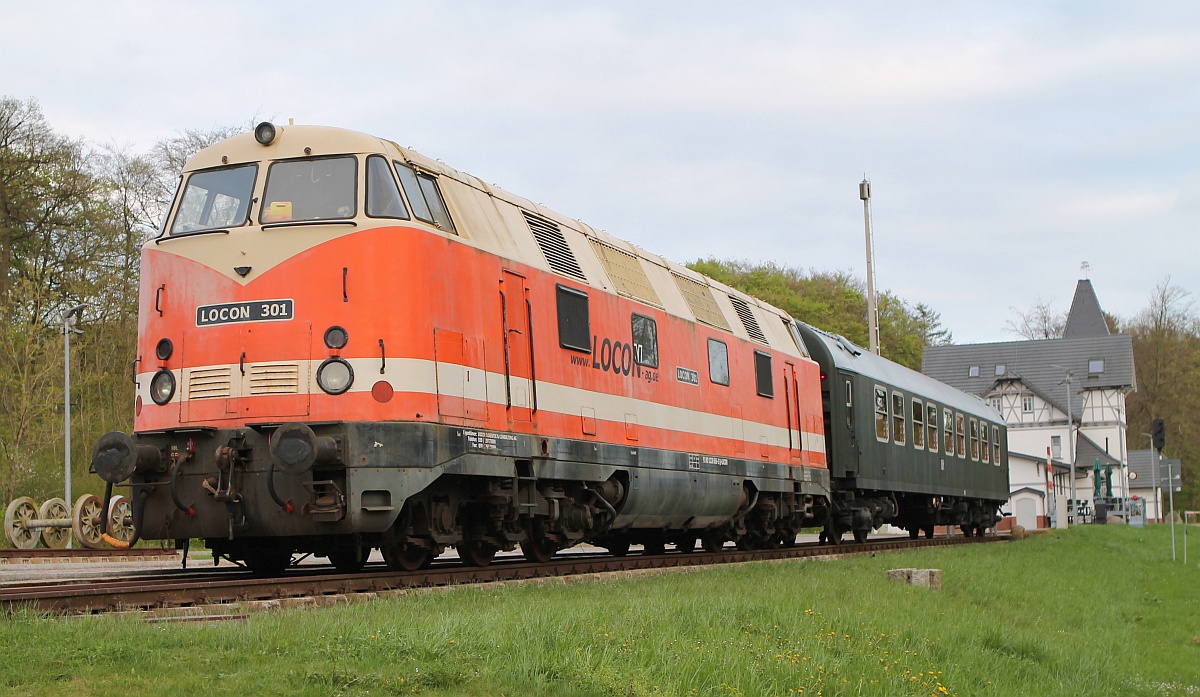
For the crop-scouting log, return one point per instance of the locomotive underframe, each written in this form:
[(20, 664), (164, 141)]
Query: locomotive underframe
[(414, 488)]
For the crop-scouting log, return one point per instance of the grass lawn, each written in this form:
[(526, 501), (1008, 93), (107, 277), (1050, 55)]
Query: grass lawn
[(1094, 611)]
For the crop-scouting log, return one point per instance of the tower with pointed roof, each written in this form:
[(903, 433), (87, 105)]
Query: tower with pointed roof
[(1027, 382)]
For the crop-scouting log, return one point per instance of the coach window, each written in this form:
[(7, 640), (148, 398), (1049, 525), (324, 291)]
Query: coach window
[(307, 190), (918, 418), (574, 328), (215, 199), (718, 362), (931, 424), (898, 418), (881, 414), (645, 341), (849, 404), (985, 447), (960, 430), (948, 431), (425, 197), (974, 440), (383, 198), (762, 374), (996, 445)]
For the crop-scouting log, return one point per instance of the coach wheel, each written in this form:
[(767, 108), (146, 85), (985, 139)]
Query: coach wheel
[(914, 532), (476, 552), (686, 544), (265, 563), (618, 548), (787, 539), (85, 521), (56, 537), (536, 547), (966, 530), (656, 546), (406, 557), (349, 560), (120, 518), (712, 542), (860, 536), (17, 518), (928, 530)]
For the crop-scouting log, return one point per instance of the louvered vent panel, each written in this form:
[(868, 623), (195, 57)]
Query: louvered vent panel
[(209, 383), (554, 246), (626, 272), (700, 299), (748, 320), (274, 379)]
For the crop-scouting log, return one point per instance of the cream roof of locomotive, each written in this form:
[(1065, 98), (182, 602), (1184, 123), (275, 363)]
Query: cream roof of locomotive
[(487, 216)]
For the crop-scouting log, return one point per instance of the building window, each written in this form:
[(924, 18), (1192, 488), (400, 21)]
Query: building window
[(898, 418), (948, 431), (718, 362), (1000, 368), (931, 424), (996, 402), (574, 328), (1096, 366), (645, 341), (1056, 446), (918, 417), (1027, 404), (973, 371), (960, 430), (881, 414), (762, 374)]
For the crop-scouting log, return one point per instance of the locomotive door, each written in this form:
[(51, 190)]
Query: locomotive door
[(520, 389), (795, 418)]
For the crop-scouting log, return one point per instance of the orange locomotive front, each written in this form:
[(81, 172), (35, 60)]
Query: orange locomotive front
[(344, 345)]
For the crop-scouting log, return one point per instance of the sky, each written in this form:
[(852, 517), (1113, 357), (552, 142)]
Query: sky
[(1007, 143)]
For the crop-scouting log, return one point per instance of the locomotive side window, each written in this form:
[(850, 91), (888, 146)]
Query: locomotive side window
[(718, 362), (383, 198), (996, 445), (574, 325), (762, 374), (898, 418), (931, 422), (974, 440), (425, 197), (645, 341), (881, 414), (985, 448), (948, 431), (960, 429), (318, 189), (918, 418), (216, 199)]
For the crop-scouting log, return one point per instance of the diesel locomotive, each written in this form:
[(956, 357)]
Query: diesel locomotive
[(344, 345)]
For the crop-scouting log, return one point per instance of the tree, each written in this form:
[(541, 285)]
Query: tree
[(1039, 322)]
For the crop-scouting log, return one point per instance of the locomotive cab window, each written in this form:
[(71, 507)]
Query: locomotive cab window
[(383, 198), (931, 423), (881, 414), (308, 190), (425, 197), (718, 362), (645, 341), (918, 419), (217, 198), (574, 325), (762, 374), (898, 418)]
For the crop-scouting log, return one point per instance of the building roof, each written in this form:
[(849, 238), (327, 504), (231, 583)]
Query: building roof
[(1141, 464), (1058, 465), (1087, 452), (1085, 319)]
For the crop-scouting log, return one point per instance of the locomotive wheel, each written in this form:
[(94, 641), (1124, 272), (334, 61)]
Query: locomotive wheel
[(85, 521), (119, 510), (404, 557), (476, 553), (536, 547), (686, 544), (55, 509), (712, 542), (265, 563), (860, 536), (348, 561), (618, 548), (17, 517)]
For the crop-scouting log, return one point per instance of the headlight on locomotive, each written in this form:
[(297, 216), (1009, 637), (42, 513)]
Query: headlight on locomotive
[(162, 387), (335, 376)]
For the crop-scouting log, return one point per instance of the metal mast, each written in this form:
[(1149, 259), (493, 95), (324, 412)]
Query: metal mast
[(864, 193)]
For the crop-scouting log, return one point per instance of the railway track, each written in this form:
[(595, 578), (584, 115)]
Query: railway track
[(236, 590), (69, 556)]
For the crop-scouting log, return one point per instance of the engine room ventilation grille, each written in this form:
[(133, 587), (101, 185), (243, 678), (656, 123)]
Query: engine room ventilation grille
[(274, 379), (209, 383), (748, 320), (700, 299), (554, 246), (626, 272)]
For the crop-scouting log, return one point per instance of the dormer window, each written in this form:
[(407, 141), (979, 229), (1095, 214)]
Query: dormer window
[(1096, 366), (973, 371), (1000, 369)]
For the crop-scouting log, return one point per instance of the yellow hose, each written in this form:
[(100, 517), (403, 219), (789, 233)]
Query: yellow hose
[(114, 542)]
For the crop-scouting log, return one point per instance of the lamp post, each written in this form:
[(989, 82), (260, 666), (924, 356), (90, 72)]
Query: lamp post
[(68, 328), (864, 193), (1070, 438)]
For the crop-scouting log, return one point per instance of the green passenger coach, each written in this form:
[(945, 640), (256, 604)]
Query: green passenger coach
[(904, 449)]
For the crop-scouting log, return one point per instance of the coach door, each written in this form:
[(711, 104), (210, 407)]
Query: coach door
[(520, 396), (795, 419)]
